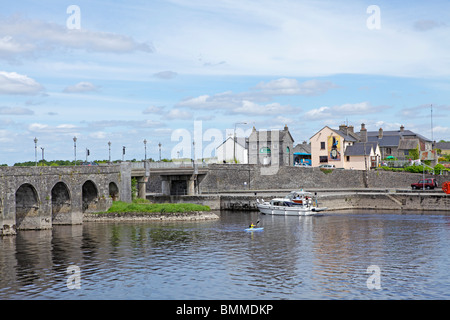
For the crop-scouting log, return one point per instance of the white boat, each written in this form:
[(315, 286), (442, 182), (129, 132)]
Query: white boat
[(296, 203)]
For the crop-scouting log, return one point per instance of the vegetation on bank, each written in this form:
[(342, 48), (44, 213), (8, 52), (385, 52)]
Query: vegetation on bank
[(417, 169), (145, 206)]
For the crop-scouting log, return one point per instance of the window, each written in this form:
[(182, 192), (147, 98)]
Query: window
[(264, 150), (348, 158), (323, 159), (322, 146)]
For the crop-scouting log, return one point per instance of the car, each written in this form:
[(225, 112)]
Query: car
[(429, 183), (92, 163), (327, 166)]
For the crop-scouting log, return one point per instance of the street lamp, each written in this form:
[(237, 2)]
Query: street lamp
[(35, 150), (159, 145), (42, 154), (234, 140), (145, 148), (109, 150), (75, 150)]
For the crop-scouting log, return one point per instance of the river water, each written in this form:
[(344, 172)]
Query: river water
[(332, 256)]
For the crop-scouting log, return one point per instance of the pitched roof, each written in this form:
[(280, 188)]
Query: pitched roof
[(443, 145), (266, 135), (347, 137), (303, 148), (357, 149), (243, 142), (385, 141), (398, 133)]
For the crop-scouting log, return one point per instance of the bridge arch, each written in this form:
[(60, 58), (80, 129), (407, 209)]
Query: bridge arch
[(113, 191), (61, 200), (27, 204), (89, 196)]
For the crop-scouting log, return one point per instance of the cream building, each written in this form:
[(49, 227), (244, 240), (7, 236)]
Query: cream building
[(343, 149)]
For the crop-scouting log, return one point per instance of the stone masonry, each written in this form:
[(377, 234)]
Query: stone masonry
[(38, 197)]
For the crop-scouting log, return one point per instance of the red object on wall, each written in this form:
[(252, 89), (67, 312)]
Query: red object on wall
[(446, 187)]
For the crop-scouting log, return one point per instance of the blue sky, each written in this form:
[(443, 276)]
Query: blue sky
[(156, 70)]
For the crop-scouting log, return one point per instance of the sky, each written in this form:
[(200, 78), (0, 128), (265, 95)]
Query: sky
[(174, 72)]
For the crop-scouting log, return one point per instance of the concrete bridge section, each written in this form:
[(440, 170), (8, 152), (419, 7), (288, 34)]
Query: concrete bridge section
[(39, 197), (176, 178)]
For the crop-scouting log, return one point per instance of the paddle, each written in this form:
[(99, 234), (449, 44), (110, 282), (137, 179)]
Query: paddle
[(250, 226)]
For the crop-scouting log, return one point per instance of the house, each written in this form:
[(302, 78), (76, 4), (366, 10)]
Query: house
[(398, 143), (274, 147), (233, 151), (302, 154), (444, 147), (343, 148)]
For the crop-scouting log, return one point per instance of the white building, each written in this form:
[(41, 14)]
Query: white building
[(232, 149)]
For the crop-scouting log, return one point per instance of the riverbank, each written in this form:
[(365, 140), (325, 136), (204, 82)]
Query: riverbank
[(141, 209), (150, 216)]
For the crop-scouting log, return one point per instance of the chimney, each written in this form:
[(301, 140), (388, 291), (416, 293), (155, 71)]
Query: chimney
[(343, 128), (402, 128), (350, 129), (363, 133), (380, 133), (285, 127)]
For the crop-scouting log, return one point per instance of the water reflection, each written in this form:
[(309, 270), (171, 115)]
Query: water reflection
[(322, 257)]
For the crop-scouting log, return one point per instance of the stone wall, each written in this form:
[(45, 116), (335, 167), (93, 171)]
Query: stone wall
[(254, 177)]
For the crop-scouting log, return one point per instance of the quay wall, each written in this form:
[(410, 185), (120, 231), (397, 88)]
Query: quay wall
[(388, 200), (248, 177)]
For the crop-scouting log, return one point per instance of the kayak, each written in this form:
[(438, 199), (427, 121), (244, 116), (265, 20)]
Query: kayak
[(254, 229)]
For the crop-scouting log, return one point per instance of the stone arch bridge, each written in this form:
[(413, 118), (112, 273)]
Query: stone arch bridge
[(39, 197)]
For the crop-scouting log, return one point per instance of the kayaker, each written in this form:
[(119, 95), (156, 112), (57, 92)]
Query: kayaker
[(251, 226)]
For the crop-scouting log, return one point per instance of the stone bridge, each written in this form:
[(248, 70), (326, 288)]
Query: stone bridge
[(39, 197)]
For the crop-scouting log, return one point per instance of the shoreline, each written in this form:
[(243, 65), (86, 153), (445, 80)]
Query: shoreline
[(151, 216)]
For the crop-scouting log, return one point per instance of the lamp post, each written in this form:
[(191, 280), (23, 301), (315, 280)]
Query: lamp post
[(75, 150), (234, 140), (35, 151), (109, 151), (145, 149), (42, 153), (159, 145)]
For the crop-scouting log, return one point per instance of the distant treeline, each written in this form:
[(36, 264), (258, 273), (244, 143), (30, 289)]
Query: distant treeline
[(56, 163)]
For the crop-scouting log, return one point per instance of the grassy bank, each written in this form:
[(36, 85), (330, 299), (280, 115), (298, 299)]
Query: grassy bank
[(144, 206)]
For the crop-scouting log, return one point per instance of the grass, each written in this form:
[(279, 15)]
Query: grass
[(144, 206)]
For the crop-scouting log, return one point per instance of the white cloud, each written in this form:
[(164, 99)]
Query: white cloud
[(251, 108), (45, 128), (165, 75), (14, 83), (285, 86), (15, 111), (26, 36), (153, 109), (178, 114), (426, 25), (81, 87), (343, 110)]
